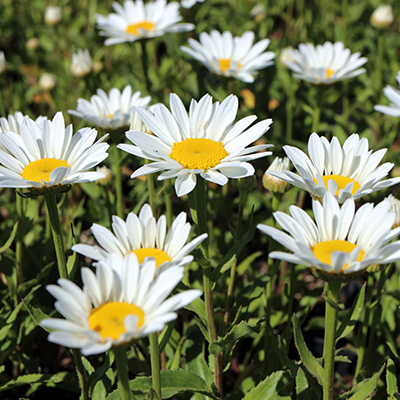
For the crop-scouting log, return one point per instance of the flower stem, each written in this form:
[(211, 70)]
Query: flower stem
[(364, 326), (80, 370), (54, 217), (199, 212), (122, 372), (332, 291), (151, 191), (116, 169), (289, 113), (145, 64), (168, 201), (155, 363), (291, 286), (20, 237)]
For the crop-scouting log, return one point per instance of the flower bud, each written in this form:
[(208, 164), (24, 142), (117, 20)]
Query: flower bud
[(382, 17), (2, 62), (81, 63), (47, 81), (52, 15), (272, 183)]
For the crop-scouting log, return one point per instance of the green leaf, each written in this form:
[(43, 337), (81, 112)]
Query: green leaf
[(165, 335), (9, 241), (265, 390), (238, 332), (391, 380), (71, 265), (172, 383), (307, 358), (36, 314), (365, 388), (352, 315)]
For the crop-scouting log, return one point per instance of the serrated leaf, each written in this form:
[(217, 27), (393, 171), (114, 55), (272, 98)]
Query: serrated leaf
[(172, 383), (238, 332), (302, 387), (36, 314), (265, 390), (391, 380), (352, 315), (307, 358), (365, 388)]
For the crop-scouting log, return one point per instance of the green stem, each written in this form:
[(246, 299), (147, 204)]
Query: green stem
[(155, 363), (145, 64), (117, 174), (151, 191), (80, 370), (20, 237), (54, 217), (291, 291), (332, 291), (122, 372), (289, 113), (199, 213), (364, 326), (379, 61), (344, 19), (168, 201), (106, 191)]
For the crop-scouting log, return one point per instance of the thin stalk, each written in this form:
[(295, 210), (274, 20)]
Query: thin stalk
[(289, 113), (242, 204), (317, 111), (106, 192), (80, 370), (344, 19), (199, 212), (379, 60), (291, 286), (364, 326), (122, 372), (151, 191), (155, 363), (117, 174), (54, 217), (168, 201), (332, 291), (20, 237), (145, 64)]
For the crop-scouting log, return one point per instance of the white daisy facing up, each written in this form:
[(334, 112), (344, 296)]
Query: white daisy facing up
[(110, 111), (229, 56), (348, 171), (324, 64), (204, 142), (136, 20), (393, 95), (341, 240), (144, 236), (48, 154), (116, 305)]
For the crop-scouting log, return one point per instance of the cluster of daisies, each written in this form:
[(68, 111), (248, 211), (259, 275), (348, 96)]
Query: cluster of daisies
[(139, 264)]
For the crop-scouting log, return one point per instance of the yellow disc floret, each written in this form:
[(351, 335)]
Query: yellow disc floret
[(328, 73), (160, 255), (225, 64), (341, 182), (108, 319), (198, 153), (324, 250), (133, 29), (40, 170)]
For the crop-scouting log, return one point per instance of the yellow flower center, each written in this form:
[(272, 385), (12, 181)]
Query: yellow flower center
[(198, 153), (133, 29), (328, 73), (111, 116), (108, 319), (160, 255), (324, 250), (40, 170), (341, 181), (225, 64)]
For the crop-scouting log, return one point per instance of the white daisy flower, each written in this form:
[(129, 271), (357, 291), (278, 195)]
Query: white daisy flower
[(81, 63), (14, 122), (324, 64), (117, 305), (273, 183), (135, 20), (348, 171), (341, 240), (110, 111), (205, 142), (48, 154), (393, 96), (145, 237), (231, 56), (190, 3)]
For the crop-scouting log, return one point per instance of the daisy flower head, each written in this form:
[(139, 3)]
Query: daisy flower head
[(144, 236), (110, 111), (203, 142), (229, 56), (116, 305), (324, 64), (136, 20), (48, 155), (342, 242), (393, 95), (345, 171)]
